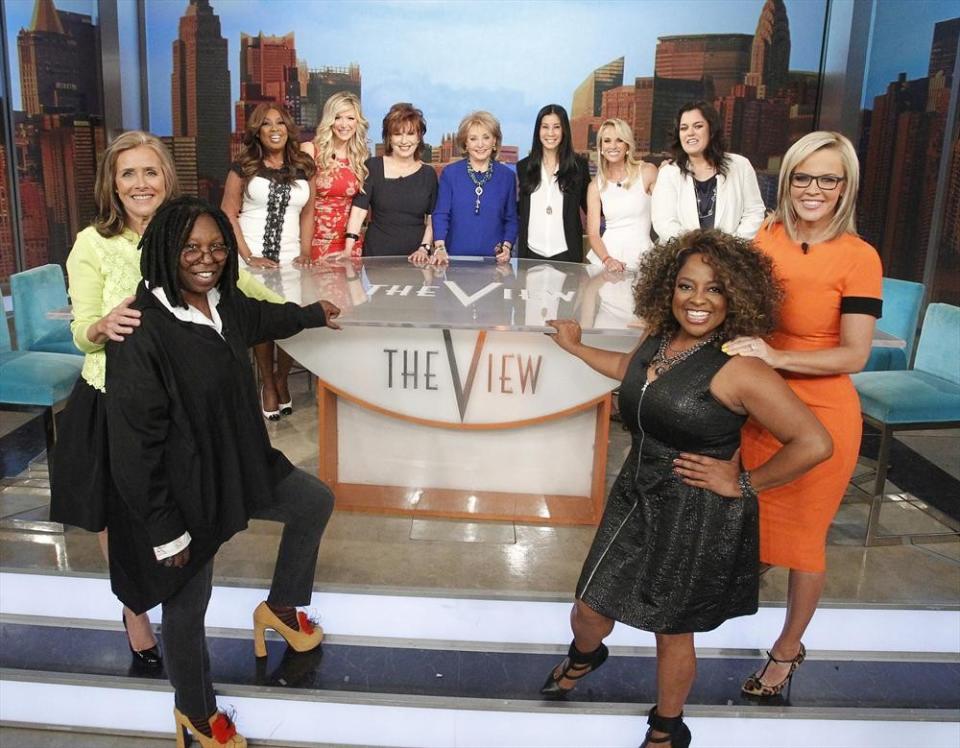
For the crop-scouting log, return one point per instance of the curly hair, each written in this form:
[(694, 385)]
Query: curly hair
[(752, 290)]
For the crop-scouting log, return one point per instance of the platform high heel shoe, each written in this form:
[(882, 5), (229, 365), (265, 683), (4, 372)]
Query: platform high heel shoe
[(148, 659), (223, 733), (677, 733), (307, 636), (574, 667)]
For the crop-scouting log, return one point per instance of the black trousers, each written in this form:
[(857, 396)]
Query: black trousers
[(303, 504)]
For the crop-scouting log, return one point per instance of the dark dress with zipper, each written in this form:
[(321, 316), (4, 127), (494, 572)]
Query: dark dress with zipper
[(188, 447), (669, 557)]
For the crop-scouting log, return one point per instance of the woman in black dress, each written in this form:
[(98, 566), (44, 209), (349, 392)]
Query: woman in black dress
[(400, 190), (190, 456), (677, 547), (553, 191)]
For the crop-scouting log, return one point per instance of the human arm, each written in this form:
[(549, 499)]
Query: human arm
[(511, 225), (259, 322), (594, 211), (649, 173), (305, 259), (421, 255), (749, 386), (232, 204), (354, 224), (665, 205), (752, 201), (441, 216), (611, 364)]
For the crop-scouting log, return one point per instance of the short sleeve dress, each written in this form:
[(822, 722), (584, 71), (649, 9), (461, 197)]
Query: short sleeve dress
[(829, 279), (399, 207), (669, 557), (333, 200)]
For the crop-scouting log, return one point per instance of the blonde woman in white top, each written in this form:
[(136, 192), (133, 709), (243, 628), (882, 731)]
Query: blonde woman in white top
[(621, 194)]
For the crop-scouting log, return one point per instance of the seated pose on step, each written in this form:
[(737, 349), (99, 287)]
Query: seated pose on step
[(676, 550), (190, 455)]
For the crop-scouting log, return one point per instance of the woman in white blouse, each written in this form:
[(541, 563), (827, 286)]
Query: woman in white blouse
[(704, 187)]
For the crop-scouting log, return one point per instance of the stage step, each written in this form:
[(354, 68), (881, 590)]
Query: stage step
[(452, 688)]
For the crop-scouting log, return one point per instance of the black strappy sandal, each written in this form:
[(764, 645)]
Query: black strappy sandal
[(574, 667), (677, 733), (754, 685)]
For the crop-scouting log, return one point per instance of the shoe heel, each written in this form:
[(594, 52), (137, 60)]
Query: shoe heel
[(259, 639), (182, 737)]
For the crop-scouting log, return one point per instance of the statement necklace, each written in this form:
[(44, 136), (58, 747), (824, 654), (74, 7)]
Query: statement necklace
[(479, 178), (662, 363)]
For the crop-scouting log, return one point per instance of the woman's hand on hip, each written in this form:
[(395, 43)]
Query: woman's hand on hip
[(116, 324), (720, 476), (755, 347)]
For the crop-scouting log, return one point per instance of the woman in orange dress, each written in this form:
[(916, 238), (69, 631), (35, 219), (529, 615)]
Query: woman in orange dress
[(340, 150), (833, 284)]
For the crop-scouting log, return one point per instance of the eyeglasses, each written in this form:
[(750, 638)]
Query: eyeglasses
[(824, 181), (193, 252)]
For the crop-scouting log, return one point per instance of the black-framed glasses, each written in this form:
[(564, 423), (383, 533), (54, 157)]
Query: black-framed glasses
[(824, 181), (193, 252)]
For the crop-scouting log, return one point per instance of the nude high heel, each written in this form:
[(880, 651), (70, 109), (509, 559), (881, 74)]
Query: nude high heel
[(224, 732), (308, 637)]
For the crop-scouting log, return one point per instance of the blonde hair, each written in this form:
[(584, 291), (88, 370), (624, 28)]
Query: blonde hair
[(485, 120), (110, 218), (623, 131), (844, 219), (357, 150)]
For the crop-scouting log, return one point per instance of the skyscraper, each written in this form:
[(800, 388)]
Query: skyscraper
[(770, 53), (268, 73), (724, 59), (588, 103), (201, 94), (325, 82)]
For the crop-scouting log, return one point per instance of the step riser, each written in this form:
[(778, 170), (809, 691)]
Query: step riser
[(96, 708), (495, 621)]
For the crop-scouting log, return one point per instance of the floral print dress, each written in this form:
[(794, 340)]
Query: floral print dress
[(334, 198)]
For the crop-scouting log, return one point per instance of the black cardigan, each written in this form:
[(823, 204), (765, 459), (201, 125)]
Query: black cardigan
[(574, 200), (188, 447)]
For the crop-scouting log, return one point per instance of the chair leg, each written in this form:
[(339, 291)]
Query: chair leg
[(879, 486)]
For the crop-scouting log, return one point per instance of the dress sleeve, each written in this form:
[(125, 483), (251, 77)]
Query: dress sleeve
[(863, 284), (138, 422), (86, 290), (441, 211), (364, 199), (260, 321)]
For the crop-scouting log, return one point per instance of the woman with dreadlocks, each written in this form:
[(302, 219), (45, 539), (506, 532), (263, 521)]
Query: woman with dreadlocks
[(190, 455)]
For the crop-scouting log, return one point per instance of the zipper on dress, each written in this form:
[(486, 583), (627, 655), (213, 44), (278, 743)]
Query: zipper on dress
[(635, 501)]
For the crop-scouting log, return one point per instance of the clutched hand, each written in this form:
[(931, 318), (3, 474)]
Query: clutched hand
[(332, 311), (722, 477)]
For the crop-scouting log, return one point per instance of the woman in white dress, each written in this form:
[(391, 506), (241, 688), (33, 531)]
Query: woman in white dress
[(269, 200)]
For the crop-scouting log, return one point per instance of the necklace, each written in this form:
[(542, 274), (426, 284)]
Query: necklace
[(662, 363), (706, 193), (479, 178), (551, 180)]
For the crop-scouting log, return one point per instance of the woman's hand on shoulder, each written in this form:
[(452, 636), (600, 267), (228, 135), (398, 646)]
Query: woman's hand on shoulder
[(753, 347), (116, 324), (722, 477)]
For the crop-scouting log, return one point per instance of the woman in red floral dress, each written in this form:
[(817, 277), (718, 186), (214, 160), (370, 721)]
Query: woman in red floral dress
[(340, 150)]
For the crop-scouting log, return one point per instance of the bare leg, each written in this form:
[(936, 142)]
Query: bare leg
[(263, 352), (139, 630), (804, 589), (284, 362), (589, 630), (676, 670)]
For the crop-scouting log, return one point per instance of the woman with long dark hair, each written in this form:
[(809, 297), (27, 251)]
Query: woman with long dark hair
[(553, 191), (705, 187), (269, 200)]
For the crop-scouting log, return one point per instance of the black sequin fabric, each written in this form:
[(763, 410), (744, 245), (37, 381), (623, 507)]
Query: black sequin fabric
[(669, 557), (277, 200)]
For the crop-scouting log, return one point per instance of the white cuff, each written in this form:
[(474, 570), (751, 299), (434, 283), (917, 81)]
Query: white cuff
[(172, 548)]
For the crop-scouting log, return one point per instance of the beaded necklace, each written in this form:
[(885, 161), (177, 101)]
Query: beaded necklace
[(479, 178), (661, 363)]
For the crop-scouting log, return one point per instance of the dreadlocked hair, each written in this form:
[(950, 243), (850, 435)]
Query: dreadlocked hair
[(752, 290), (163, 241)]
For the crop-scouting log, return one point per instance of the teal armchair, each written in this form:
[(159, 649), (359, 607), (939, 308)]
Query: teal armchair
[(901, 313), (35, 293)]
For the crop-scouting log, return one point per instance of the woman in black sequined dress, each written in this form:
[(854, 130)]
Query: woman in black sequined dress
[(677, 548)]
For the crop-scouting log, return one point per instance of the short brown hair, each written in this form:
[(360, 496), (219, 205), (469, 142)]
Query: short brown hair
[(485, 120), (400, 117)]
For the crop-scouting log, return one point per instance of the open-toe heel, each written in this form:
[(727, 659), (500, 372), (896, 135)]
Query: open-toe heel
[(574, 667), (754, 685), (677, 733), (223, 733)]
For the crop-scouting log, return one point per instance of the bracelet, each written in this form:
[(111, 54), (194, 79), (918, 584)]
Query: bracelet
[(425, 247), (747, 490), (246, 260), (351, 235), (440, 249)]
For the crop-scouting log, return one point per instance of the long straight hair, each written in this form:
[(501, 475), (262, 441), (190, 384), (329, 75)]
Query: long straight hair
[(566, 157)]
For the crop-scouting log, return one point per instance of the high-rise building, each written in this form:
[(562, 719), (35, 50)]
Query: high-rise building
[(943, 50), (770, 52), (754, 127), (585, 112), (268, 73), (7, 260), (201, 94), (325, 82), (669, 94), (724, 59), (184, 153), (86, 36)]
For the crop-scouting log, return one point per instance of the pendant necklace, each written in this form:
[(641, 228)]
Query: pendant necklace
[(479, 178), (662, 363), (551, 179)]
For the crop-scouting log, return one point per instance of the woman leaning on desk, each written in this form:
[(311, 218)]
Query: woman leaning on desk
[(833, 298), (553, 192), (476, 212), (134, 178)]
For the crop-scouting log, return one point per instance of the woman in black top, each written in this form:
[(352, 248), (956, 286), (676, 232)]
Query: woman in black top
[(400, 190), (553, 191), (190, 456)]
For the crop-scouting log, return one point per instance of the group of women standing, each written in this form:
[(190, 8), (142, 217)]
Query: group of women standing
[(752, 327)]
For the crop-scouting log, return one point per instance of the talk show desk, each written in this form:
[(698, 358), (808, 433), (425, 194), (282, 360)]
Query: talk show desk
[(441, 395)]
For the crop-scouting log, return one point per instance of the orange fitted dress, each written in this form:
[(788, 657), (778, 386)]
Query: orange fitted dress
[(833, 278)]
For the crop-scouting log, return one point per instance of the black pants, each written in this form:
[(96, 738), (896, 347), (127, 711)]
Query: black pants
[(303, 504)]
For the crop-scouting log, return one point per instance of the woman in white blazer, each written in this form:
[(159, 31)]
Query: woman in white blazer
[(705, 187)]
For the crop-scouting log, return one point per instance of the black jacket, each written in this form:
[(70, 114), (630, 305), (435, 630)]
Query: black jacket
[(574, 200), (188, 447)]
